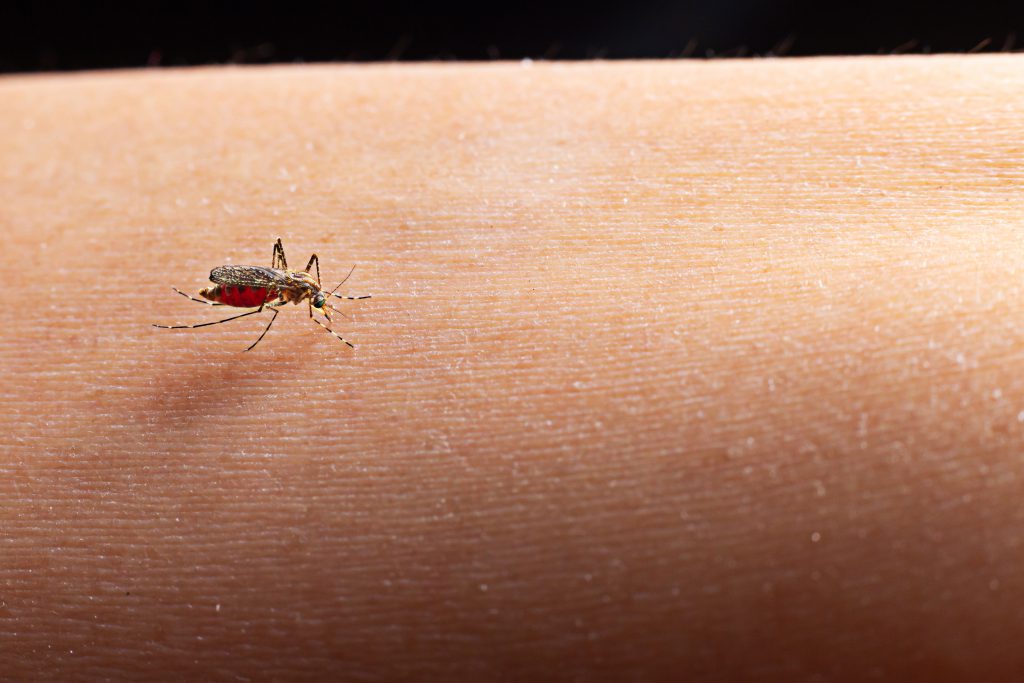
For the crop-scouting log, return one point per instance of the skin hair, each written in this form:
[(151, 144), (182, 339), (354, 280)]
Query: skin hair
[(690, 370)]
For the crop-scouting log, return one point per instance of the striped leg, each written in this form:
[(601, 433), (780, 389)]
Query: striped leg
[(199, 301), (313, 259), (317, 321), (333, 332)]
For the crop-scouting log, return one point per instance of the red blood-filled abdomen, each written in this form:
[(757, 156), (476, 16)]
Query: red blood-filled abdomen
[(246, 297)]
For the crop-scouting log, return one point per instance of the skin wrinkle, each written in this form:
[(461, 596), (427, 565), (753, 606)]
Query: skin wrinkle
[(699, 370)]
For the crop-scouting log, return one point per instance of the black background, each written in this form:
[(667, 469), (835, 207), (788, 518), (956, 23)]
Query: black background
[(48, 35)]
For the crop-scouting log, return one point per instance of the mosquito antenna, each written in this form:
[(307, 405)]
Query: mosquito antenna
[(343, 281)]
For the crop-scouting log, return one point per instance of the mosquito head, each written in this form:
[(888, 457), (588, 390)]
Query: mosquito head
[(319, 300)]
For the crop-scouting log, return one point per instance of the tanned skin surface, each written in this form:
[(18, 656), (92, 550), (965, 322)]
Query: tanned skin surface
[(673, 371)]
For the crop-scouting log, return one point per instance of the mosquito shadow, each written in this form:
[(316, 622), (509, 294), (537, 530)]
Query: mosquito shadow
[(182, 398)]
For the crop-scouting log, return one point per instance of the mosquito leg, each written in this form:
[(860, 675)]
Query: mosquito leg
[(353, 298), (278, 260), (198, 301), (215, 322), (275, 312), (332, 332), (313, 259)]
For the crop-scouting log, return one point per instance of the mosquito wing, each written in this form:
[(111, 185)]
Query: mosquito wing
[(250, 276)]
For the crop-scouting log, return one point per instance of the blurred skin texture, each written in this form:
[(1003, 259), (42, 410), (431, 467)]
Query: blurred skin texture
[(672, 371)]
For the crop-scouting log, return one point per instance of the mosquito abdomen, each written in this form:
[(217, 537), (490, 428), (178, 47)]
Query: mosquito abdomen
[(240, 296)]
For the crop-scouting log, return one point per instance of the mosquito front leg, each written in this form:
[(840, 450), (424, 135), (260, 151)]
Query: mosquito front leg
[(333, 332)]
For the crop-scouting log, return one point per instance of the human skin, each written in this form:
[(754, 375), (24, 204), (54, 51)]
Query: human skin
[(675, 370)]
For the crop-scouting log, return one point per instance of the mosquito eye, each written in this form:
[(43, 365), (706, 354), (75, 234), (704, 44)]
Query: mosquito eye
[(318, 302)]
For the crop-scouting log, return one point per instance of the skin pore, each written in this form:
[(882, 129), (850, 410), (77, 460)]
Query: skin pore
[(676, 370)]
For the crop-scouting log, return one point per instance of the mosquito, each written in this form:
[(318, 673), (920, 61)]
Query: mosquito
[(268, 289)]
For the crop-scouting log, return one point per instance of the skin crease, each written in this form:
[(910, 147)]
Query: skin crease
[(679, 370)]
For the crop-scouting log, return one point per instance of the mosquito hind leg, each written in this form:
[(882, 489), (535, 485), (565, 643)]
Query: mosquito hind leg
[(198, 301), (314, 260), (278, 260)]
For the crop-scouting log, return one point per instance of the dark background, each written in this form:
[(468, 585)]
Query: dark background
[(47, 35)]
